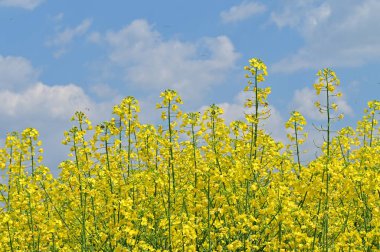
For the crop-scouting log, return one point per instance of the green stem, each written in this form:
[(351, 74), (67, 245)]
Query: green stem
[(372, 126), (171, 147), (170, 170), (32, 156), (31, 220), (256, 112), (297, 149), (208, 212), (129, 141), (194, 143), (326, 221), (10, 237), (82, 198)]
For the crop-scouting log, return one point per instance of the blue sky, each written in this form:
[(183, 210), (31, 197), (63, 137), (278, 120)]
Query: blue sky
[(60, 56)]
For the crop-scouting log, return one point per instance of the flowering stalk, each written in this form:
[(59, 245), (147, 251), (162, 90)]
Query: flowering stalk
[(327, 82), (170, 102), (296, 123), (257, 71)]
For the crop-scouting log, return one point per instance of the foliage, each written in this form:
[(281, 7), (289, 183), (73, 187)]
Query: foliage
[(195, 183)]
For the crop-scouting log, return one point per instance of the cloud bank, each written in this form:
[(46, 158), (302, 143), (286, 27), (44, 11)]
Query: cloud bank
[(148, 61), (336, 33), (25, 4), (242, 11)]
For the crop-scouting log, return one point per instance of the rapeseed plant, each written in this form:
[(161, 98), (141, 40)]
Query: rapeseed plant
[(195, 183), (296, 124)]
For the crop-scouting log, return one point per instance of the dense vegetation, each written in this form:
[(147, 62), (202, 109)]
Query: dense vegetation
[(195, 183)]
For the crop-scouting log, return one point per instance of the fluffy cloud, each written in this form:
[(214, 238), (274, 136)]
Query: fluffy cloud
[(274, 125), (303, 101), (16, 73), (26, 4), (22, 95), (54, 102), (102, 90), (337, 34), (242, 11), (304, 16), (65, 37), (149, 62), (49, 109), (29, 103)]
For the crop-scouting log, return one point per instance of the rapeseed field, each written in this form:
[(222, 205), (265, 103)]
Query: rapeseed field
[(195, 183)]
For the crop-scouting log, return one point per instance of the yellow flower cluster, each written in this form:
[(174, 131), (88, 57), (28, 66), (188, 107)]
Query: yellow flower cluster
[(328, 82), (257, 69), (295, 125), (367, 126), (193, 183)]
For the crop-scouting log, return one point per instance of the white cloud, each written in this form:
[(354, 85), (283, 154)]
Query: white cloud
[(242, 11), (16, 73), (274, 125), (344, 107), (29, 103), (103, 90), (336, 33), (303, 101), (304, 16), (49, 109), (149, 62), (58, 17), (94, 37), (65, 37), (55, 102), (26, 4)]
